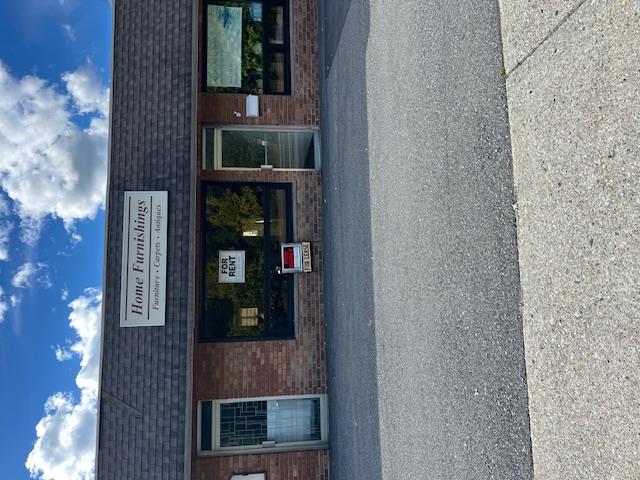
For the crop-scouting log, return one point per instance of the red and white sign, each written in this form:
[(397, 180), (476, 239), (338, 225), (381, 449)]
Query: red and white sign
[(296, 257)]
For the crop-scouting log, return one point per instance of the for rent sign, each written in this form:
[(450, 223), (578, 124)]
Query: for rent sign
[(231, 268), (144, 259)]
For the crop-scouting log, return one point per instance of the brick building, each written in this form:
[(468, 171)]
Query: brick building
[(213, 359)]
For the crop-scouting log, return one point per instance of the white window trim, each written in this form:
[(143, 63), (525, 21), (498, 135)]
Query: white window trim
[(323, 443), (217, 142)]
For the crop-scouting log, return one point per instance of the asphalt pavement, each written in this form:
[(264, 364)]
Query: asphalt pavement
[(424, 334)]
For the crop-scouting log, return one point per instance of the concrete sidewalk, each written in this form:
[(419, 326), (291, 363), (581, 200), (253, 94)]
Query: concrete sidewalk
[(573, 87)]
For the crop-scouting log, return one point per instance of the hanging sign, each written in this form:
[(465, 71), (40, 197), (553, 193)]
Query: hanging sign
[(231, 266), (296, 257), (144, 259)]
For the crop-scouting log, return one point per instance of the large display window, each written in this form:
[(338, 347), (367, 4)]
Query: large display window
[(244, 295)]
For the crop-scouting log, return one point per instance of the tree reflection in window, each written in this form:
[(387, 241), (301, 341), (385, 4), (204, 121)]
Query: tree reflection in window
[(238, 217)]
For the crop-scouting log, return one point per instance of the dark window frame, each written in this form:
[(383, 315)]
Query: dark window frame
[(291, 292), (267, 48)]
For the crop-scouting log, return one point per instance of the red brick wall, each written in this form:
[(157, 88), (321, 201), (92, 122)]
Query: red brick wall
[(275, 367), (268, 368), (278, 466)]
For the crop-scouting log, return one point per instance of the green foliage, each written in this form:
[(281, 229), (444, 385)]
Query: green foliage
[(228, 212)]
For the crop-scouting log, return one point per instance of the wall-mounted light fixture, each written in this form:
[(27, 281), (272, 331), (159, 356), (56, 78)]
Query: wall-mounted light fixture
[(253, 107)]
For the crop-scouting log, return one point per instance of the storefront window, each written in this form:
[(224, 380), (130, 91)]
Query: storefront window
[(247, 47), (249, 221), (237, 148)]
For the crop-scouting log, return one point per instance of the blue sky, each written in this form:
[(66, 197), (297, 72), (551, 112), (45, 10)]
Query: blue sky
[(54, 73)]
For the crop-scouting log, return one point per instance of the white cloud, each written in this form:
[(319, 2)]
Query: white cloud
[(65, 444), (3, 305), (15, 300), (48, 165), (87, 91), (69, 32), (23, 278), (63, 354), (28, 272), (64, 294), (6, 227)]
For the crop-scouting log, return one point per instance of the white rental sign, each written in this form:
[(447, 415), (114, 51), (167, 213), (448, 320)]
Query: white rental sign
[(231, 268), (144, 259)]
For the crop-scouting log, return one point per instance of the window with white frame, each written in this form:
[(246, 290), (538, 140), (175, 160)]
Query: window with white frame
[(246, 148), (262, 424)]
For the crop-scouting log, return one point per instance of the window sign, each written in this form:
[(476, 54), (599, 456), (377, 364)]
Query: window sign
[(231, 266), (144, 259)]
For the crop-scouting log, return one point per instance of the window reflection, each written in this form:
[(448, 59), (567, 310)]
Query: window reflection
[(255, 219), (255, 148)]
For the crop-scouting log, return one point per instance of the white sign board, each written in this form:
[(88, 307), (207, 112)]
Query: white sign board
[(231, 268), (144, 259)]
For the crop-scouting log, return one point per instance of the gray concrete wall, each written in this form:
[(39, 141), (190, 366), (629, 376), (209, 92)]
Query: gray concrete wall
[(573, 83), (144, 370)]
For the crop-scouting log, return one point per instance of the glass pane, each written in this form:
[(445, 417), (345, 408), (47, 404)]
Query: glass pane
[(276, 25), (243, 423), (280, 324), (252, 48), (278, 221), (247, 149), (224, 46), (243, 149), (233, 220), (234, 46), (205, 425), (209, 148), (276, 72), (290, 149), (294, 420)]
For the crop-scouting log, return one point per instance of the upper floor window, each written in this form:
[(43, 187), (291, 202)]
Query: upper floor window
[(247, 47)]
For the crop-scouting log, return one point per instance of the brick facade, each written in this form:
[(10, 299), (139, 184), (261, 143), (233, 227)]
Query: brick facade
[(223, 370), (278, 466)]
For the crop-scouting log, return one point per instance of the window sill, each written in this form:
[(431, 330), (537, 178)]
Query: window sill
[(254, 451)]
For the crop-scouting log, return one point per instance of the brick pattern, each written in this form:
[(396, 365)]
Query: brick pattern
[(301, 108), (142, 416), (269, 368), (265, 368), (278, 466)]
